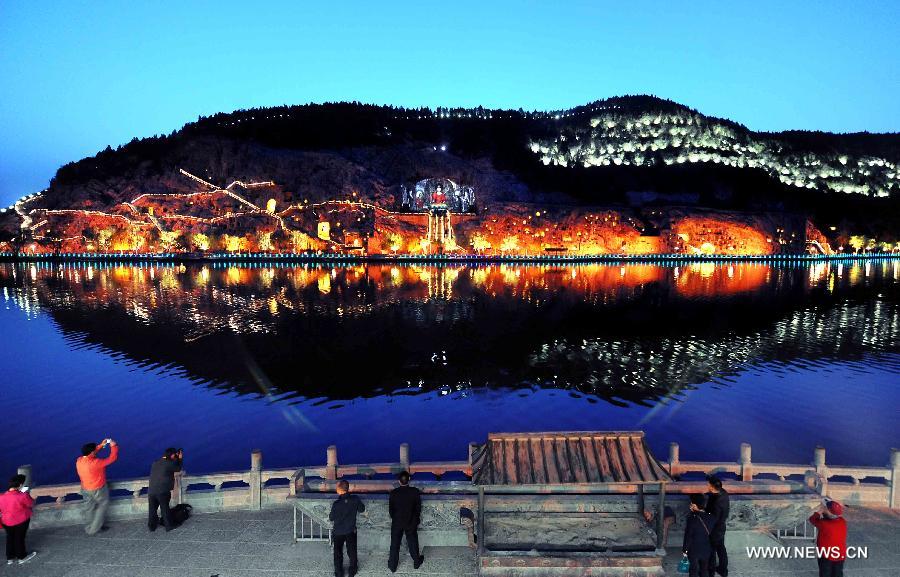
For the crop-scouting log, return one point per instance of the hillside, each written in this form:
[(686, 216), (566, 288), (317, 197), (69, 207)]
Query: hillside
[(635, 174)]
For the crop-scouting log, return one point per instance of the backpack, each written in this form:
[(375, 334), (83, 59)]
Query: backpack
[(180, 513)]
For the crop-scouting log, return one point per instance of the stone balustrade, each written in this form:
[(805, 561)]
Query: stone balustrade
[(873, 486), (258, 488)]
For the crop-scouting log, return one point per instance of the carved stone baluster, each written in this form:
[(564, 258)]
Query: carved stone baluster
[(674, 452), (255, 480), (746, 463), (331, 463), (894, 464)]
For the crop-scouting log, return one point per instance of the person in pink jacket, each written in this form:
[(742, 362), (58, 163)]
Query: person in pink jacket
[(15, 515)]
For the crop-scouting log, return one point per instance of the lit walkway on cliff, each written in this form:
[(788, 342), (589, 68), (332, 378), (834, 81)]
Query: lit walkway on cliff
[(251, 544)]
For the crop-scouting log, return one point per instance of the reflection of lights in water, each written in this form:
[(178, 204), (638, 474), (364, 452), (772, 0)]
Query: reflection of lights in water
[(817, 272), (479, 275), (324, 283), (704, 269)]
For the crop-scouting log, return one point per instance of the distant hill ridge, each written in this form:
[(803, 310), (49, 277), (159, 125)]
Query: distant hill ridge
[(605, 153)]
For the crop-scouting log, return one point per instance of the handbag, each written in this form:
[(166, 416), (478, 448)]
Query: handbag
[(685, 565)]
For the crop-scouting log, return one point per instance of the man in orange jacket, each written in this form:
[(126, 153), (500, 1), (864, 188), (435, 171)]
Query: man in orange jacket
[(92, 472)]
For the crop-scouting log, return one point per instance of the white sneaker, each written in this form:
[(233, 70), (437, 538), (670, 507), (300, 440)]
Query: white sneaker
[(28, 558), (10, 561)]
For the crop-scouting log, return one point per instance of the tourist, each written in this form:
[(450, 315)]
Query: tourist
[(697, 530), (92, 473), (343, 527), (405, 509), (668, 521), (831, 538), (162, 482), (718, 506), (15, 515)]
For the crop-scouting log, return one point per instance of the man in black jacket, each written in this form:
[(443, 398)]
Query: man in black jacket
[(718, 506), (162, 481), (405, 508), (696, 545), (343, 527)]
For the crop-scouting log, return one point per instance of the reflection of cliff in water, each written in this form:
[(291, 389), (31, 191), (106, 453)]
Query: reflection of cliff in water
[(633, 333), (666, 365)]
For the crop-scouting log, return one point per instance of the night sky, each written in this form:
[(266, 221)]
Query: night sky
[(76, 77)]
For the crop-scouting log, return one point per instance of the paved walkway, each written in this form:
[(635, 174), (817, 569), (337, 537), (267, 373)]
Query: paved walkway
[(234, 544), (245, 544)]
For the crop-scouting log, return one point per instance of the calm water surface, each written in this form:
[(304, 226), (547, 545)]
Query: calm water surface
[(290, 359)]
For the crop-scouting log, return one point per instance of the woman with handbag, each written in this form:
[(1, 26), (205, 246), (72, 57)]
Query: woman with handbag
[(696, 546)]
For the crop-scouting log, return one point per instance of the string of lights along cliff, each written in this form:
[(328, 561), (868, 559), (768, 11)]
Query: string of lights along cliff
[(292, 278)]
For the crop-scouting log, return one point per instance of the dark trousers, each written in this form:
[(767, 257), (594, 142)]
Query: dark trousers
[(718, 550), (412, 541), (159, 502), (15, 540), (830, 568), (699, 567), (339, 540)]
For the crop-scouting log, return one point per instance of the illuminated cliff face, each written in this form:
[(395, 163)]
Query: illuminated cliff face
[(502, 229), (610, 138), (511, 229), (542, 181)]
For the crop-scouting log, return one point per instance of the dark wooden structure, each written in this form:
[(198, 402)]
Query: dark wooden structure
[(576, 497), (566, 458)]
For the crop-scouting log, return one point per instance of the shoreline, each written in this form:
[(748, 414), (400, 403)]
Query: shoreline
[(432, 258)]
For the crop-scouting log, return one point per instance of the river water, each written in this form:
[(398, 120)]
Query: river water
[(223, 359)]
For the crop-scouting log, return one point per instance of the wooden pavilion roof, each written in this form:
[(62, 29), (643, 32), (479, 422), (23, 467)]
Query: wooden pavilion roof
[(581, 457)]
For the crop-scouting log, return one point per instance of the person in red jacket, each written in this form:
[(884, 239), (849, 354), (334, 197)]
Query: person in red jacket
[(831, 540), (15, 515)]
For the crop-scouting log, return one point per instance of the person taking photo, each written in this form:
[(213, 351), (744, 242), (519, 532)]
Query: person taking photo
[(162, 482), (92, 474)]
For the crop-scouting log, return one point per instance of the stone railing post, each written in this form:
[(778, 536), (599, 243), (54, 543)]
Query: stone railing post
[(895, 479), (746, 463), (821, 470), (404, 456), (331, 463), (674, 457), (25, 470), (255, 480), (178, 490)]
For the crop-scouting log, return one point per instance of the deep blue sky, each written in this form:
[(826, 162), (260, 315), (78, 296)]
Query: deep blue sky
[(77, 76)]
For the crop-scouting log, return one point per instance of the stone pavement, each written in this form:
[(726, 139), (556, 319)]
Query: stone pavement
[(245, 544), (234, 544)]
